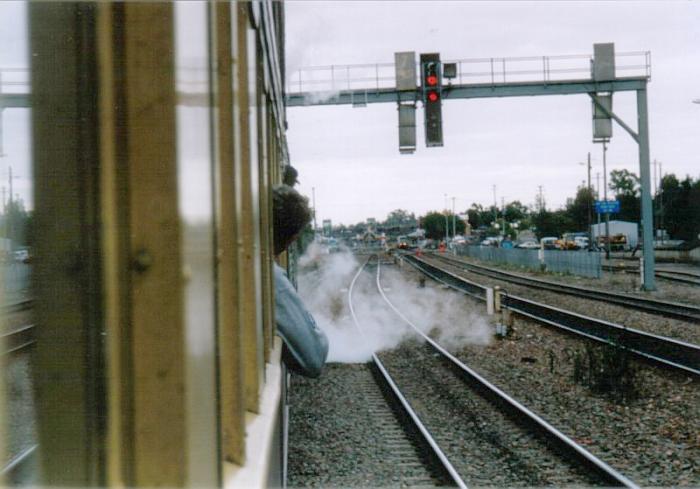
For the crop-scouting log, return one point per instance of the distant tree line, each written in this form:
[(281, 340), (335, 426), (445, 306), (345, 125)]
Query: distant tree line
[(16, 223), (676, 207)]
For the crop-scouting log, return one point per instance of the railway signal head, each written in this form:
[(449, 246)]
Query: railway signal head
[(431, 83)]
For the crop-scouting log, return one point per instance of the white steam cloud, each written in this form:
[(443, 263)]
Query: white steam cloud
[(450, 318)]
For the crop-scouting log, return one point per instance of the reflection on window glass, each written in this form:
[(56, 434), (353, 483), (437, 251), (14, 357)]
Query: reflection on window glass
[(19, 431), (196, 212)]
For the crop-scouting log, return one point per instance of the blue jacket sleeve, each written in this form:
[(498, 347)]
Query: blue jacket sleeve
[(305, 341)]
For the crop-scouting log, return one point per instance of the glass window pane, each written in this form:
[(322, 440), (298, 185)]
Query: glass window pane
[(17, 411), (195, 176)]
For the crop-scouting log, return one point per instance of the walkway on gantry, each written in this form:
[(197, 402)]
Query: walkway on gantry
[(363, 84)]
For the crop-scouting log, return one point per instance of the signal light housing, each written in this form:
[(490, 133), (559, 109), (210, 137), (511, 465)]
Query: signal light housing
[(431, 83)]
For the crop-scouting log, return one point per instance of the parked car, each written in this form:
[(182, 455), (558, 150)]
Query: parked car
[(21, 256), (549, 243), (528, 245), (581, 242)]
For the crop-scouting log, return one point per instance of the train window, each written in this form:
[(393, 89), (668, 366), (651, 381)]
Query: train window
[(18, 430), (195, 187)]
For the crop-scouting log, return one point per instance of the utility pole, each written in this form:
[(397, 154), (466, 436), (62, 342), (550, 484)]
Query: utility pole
[(590, 203), (655, 203), (662, 211), (313, 203), (447, 227), (597, 193), (454, 221), (10, 186), (495, 206), (540, 202), (605, 198), (503, 220)]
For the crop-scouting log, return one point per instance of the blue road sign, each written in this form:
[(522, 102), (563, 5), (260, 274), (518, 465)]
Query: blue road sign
[(607, 206)]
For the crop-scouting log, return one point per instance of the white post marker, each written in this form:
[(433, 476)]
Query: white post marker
[(490, 307)]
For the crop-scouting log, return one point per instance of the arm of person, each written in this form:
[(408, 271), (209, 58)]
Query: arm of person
[(306, 344)]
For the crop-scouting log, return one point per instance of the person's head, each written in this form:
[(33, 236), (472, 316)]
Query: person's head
[(290, 176), (290, 214)]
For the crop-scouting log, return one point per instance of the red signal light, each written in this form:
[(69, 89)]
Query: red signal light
[(431, 80), (433, 96)]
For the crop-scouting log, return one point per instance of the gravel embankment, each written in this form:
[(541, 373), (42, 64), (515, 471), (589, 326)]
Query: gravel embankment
[(20, 415), (339, 436), (663, 326)]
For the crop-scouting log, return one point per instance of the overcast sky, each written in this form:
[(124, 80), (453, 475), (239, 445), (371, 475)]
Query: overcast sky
[(350, 155)]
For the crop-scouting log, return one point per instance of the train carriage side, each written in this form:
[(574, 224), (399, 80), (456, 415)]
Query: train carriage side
[(158, 131)]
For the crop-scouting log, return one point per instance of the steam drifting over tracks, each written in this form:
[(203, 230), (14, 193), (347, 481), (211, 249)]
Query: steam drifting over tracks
[(664, 351)]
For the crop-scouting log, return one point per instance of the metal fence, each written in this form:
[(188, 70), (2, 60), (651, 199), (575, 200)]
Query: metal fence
[(580, 263)]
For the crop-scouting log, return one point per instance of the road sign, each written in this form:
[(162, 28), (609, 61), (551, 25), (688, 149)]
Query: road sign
[(607, 206)]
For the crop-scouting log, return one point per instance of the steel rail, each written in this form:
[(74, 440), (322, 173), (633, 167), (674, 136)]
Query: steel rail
[(674, 277), (17, 306), (18, 339), (401, 400), (658, 349), (519, 412), (671, 275), (676, 310), (13, 467)]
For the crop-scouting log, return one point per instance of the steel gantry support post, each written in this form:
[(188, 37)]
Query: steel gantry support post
[(642, 139), (645, 180)]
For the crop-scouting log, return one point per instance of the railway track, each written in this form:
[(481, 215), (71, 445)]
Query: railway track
[(686, 312), (17, 306), (578, 459), (678, 276), (18, 339), (439, 467), (22, 465), (654, 348)]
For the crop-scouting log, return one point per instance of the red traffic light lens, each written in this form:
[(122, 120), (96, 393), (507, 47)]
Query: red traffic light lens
[(433, 96), (431, 80)]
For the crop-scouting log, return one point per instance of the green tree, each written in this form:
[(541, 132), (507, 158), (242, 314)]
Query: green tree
[(624, 182), (434, 225), (16, 223), (679, 202), (577, 210), (552, 223), (515, 211), (474, 213)]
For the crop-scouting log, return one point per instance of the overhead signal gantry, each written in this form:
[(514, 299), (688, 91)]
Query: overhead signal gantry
[(593, 75)]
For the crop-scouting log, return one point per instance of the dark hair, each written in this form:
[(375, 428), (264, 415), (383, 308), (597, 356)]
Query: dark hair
[(290, 176), (290, 214)]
